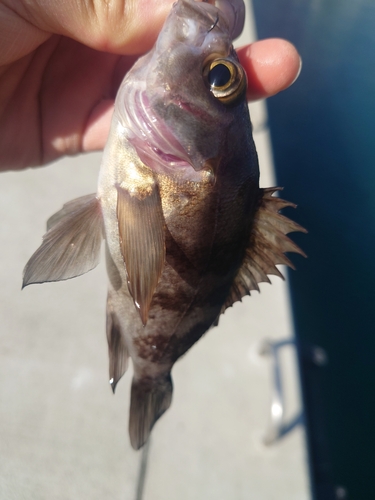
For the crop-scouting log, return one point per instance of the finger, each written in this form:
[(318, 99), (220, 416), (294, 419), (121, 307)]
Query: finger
[(98, 124), (271, 65)]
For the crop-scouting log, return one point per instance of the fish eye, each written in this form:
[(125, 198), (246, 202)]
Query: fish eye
[(219, 76), (225, 78)]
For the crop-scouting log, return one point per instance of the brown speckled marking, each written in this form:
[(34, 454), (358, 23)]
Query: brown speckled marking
[(154, 348)]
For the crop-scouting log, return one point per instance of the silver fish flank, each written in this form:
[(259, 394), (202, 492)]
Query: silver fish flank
[(187, 229)]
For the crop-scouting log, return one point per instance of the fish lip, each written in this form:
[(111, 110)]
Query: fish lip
[(154, 141)]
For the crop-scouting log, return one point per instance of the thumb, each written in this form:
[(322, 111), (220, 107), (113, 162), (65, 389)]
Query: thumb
[(118, 26)]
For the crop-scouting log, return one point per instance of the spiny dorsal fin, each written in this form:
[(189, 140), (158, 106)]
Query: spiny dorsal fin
[(118, 352), (142, 242), (71, 246), (267, 244)]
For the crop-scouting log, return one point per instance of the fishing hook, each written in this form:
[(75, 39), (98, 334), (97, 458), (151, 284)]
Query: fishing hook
[(215, 23)]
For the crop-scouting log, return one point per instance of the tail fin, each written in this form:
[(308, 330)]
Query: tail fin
[(150, 398)]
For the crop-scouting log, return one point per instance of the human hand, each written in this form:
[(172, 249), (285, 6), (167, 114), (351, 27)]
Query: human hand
[(61, 64)]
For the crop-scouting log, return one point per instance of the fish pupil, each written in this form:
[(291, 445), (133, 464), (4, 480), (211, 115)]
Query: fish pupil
[(219, 76)]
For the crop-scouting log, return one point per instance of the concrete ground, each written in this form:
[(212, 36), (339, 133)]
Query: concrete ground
[(63, 435)]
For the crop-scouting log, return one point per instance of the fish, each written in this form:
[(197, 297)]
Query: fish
[(187, 229)]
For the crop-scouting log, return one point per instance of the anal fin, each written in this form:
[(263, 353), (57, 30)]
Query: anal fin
[(141, 229), (266, 247), (150, 398), (71, 246), (117, 349)]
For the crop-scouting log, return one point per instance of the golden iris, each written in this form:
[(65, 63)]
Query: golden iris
[(225, 78)]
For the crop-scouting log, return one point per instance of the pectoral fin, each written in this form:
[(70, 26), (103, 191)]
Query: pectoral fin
[(267, 244), (141, 228), (71, 246)]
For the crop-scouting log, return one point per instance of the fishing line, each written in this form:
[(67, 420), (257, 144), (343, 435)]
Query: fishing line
[(142, 470)]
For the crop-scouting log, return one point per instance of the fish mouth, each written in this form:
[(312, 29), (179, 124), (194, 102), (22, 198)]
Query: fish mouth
[(155, 143)]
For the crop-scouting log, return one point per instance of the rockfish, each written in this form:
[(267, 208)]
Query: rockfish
[(187, 229)]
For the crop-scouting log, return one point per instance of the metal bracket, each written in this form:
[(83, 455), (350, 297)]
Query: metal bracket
[(278, 427)]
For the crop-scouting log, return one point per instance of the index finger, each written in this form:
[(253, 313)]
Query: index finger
[(271, 65)]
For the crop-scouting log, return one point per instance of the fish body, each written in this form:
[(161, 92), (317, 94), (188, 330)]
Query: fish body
[(187, 229)]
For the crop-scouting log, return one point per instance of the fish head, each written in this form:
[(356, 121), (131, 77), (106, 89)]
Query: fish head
[(182, 103)]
